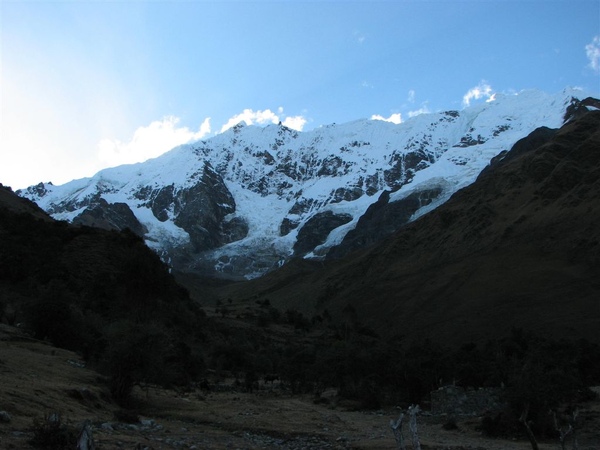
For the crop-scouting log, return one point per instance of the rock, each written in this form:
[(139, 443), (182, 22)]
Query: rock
[(578, 108), (110, 216), (201, 209), (85, 440), (316, 230), (405, 165), (346, 194), (74, 363), (381, 219), (4, 417)]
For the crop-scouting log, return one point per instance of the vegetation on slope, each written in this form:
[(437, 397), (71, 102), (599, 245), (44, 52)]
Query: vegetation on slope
[(101, 293)]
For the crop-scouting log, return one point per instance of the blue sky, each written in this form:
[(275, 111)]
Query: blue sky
[(91, 84)]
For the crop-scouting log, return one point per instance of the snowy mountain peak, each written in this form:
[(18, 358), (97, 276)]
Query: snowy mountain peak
[(250, 198)]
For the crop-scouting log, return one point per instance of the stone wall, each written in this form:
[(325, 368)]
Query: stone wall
[(455, 400)]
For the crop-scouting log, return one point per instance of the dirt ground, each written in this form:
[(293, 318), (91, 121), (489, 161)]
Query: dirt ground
[(37, 379)]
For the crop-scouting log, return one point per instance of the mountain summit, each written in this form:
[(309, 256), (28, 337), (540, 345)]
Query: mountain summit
[(247, 200)]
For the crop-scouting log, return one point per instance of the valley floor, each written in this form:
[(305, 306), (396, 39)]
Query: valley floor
[(37, 379)]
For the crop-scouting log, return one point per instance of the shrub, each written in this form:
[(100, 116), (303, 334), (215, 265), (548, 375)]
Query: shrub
[(136, 353), (546, 379), (450, 424), (52, 434), (126, 416), (297, 319)]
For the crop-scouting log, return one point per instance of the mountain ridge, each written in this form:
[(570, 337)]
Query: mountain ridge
[(248, 200), (518, 248)]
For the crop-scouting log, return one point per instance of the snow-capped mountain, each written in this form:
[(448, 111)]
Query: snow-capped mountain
[(247, 200)]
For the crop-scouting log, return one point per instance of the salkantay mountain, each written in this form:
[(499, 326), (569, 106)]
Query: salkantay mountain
[(244, 202)]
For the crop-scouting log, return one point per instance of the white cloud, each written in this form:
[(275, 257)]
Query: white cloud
[(481, 90), (394, 118), (251, 117), (360, 37), (411, 96), (592, 51), (422, 110), (295, 122), (149, 142)]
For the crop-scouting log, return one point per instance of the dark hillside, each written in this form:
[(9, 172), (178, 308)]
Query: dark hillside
[(11, 202), (518, 248), (101, 293)]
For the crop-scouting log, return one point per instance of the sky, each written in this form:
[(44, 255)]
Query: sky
[(87, 85)]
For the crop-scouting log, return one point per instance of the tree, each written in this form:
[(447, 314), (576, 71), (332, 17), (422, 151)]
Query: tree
[(136, 353)]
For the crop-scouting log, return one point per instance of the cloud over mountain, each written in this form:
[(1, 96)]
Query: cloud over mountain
[(264, 117), (483, 89), (592, 51), (150, 141), (394, 118)]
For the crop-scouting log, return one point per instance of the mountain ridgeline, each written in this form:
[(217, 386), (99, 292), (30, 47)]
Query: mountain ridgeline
[(518, 248), (251, 199)]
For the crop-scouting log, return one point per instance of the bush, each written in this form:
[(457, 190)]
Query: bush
[(50, 433), (50, 316), (450, 424), (126, 416), (500, 424), (297, 319), (546, 378), (135, 354)]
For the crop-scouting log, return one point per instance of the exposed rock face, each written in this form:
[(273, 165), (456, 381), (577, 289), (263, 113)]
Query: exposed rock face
[(316, 230), (161, 202), (578, 108), (110, 216), (382, 219), (404, 166), (201, 211)]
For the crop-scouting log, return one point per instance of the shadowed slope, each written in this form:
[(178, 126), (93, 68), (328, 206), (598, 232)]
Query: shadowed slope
[(518, 248), (18, 205), (101, 293)]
